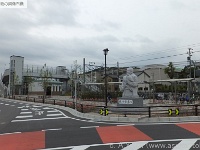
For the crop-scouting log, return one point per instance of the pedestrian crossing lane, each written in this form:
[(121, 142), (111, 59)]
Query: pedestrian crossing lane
[(35, 112)]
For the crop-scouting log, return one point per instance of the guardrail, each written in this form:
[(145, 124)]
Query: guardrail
[(146, 111), (155, 111), (66, 103)]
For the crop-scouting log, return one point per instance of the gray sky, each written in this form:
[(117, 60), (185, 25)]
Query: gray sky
[(58, 32)]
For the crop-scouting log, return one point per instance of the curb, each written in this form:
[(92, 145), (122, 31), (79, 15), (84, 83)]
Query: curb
[(116, 119)]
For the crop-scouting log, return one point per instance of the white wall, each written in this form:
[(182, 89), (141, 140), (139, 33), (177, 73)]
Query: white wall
[(16, 65), (141, 78)]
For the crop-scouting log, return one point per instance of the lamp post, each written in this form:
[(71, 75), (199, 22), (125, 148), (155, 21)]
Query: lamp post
[(105, 53)]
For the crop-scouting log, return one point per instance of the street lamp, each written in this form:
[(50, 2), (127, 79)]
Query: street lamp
[(105, 53)]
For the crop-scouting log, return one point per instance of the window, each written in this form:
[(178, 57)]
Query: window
[(140, 89), (146, 88)]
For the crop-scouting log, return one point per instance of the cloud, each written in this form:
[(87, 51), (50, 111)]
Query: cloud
[(57, 32)]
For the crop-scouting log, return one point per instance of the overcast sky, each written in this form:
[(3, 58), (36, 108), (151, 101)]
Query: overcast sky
[(58, 32)]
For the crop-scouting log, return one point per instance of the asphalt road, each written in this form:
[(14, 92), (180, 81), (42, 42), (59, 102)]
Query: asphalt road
[(35, 126)]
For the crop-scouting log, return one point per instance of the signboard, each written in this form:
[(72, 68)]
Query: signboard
[(170, 111), (102, 111), (125, 101), (130, 102)]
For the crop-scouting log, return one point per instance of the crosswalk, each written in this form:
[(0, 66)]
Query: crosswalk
[(30, 112), (173, 144)]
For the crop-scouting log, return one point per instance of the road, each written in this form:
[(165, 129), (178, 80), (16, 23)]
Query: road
[(25, 126)]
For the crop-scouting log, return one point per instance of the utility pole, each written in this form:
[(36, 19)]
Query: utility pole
[(189, 59), (118, 71), (153, 89), (83, 86)]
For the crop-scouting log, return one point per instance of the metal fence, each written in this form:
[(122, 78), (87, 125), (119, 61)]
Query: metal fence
[(146, 111)]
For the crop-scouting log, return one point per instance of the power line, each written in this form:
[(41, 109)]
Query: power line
[(162, 51), (154, 58)]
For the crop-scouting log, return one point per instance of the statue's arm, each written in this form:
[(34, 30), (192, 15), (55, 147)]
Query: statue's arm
[(132, 81)]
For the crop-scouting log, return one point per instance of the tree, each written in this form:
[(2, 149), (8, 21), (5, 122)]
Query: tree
[(28, 80), (14, 82), (170, 70), (45, 76), (184, 72)]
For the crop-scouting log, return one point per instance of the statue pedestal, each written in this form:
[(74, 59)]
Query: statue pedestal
[(130, 102)]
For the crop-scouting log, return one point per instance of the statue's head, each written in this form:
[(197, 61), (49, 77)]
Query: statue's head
[(129, 70)]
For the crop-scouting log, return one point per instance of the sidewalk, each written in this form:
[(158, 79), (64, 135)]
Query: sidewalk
[(118, 116)]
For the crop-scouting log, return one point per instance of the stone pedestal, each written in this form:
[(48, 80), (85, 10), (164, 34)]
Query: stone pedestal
[(130, 102)]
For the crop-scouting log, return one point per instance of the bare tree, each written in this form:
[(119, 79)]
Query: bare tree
[(28, 80), (45, 76)]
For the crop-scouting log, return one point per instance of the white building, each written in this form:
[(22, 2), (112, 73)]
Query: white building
[(14, 78)]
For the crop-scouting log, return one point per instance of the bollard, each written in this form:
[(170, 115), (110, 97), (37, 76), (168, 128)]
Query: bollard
[(34, 99), (196, 110), (73, 105), (65, 104), (54, 102), (26, 99), (82, 108), (149, 112)]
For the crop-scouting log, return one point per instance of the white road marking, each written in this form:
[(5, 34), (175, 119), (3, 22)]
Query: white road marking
[(131, 145), (7, 104), (39, 119), (89, 127), (52, 129), (1, 103), (35, 109), (24, 109), (26, 113), (12, 105), (52, 111), (39, 112), (10, 133), (47, 108), (80, 147), (185, 144), (2, 123), (24, 116), (136, 145), (36, 106), (20, 107), (160, 123), (126, 125), (54, 114), (62, 113)]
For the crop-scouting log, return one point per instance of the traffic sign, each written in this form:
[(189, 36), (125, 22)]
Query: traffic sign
[(170, 112), (106, 112), (177, 111), (101, 111)]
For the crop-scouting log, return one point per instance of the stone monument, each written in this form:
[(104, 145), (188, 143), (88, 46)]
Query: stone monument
[(129, 88)]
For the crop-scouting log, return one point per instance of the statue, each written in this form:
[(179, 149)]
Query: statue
[(130, 85)]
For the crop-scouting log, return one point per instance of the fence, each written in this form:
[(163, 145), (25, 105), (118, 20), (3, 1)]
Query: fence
[(146, 111)]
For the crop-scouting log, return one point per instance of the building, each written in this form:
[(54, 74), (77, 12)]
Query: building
[(16, 78)]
